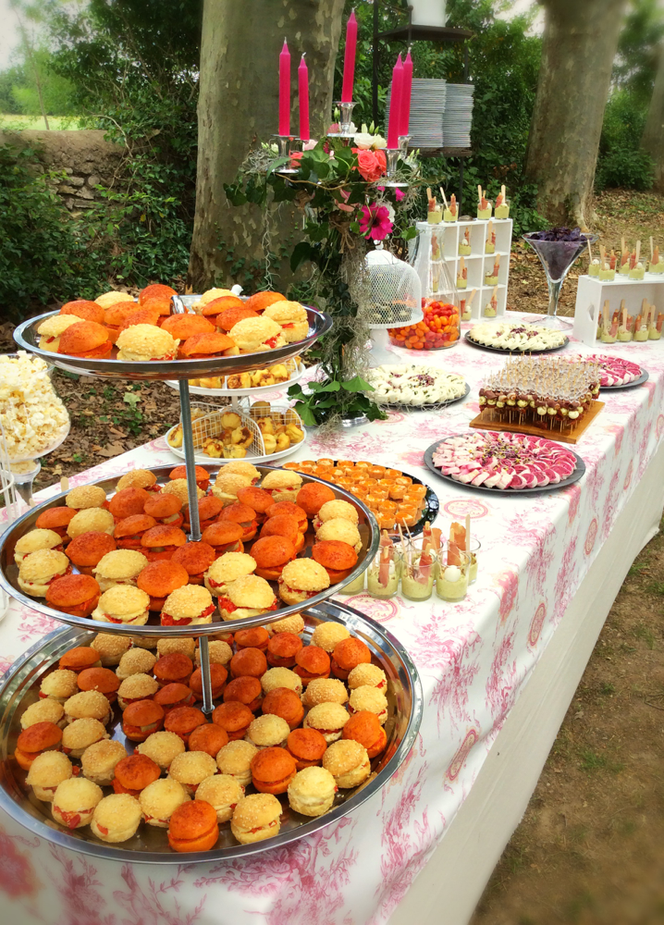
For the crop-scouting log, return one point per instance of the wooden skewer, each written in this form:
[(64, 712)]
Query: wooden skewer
[(479, 192), (652, 249), (442, 193), (468, 526), (470, 298), (638, 253), (64, 483), (605, 315), (590, 252)]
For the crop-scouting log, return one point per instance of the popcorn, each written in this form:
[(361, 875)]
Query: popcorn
[(33, 417)]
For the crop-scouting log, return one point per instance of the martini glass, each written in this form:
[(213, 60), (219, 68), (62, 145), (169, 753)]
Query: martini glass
[(557, 258)]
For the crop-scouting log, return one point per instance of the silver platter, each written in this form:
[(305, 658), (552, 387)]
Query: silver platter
[(20, 688), (367, 526), (27, 338)]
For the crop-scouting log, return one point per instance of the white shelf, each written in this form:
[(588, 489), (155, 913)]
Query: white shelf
[(591, 294)]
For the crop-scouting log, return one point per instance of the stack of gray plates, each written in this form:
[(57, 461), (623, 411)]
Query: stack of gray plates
[(458, 115), (427, 107)]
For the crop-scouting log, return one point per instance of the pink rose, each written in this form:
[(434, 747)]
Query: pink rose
[(371, 164)]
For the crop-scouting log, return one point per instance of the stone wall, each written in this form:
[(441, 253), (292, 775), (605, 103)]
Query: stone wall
[(84, 155)]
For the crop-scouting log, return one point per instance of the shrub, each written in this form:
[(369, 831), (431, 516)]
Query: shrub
[(621, 162)]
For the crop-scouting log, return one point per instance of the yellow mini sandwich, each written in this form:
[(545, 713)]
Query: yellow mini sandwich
[(247, 597), (292, 318), (34, 541), (47, 772), (256, 335), (159, 801), (329, 719), (312, 791), (223, 793), (188, 606), (302, 579), (123, 604), (162, 747), (85, 496), (92, 704), (235, 760), (143, 342), (282, 484), (40, 569), (111, 648), (50, 330), (226, 569), (81, 734), (99, 760), (190, 768), (116, 818), (256, 817), (348, 762), (74, 802), (59, 685), (91, 520), (119, 567)]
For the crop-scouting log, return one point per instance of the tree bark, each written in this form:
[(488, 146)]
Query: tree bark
[(579, 45), (238, 107), (653, 133)]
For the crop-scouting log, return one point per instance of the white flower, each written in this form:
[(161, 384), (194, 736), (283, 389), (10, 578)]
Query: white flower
[(366, 141)]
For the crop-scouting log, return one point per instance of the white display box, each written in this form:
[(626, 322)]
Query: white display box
[(445, 238), (592, 293)]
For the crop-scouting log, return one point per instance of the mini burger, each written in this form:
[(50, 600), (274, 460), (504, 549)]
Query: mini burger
[(256, 335), (347, 655), (327, 635), (159, 801), (281, 677), (247, 597), (184, 644), (369, 699), (204, 346), (193, 827), (59, 685), (86, 339), (160, 542), (188, 606), (282, 484), (246, 690), (115, 316), (227, 484), (284, 525), (88, 549), (235, 760), (135, 688), (282, 650), (196, 558), (366, 729), (77, 595), (47, 771), (325, 690), (138, 478), (209, 508), (208, 738), (256, 637), (341, 530), (301, 580), (260, 300), (123, 604), (224, 536), (307, 746), (293, 510), (161, 578), (119, 567), (157, 292), (33, 741), (88, 704), (257, 499), (234, 718), (34, 541), (292, 318), (312, 496), (292, 624), (99, 760), (338, 559), (191, 768), (180, 489), (256, 817), (369, 675), (243, 515), (56, 519), (241, 467), (272, 553), (220, 653), (135, 661), (165, 508), (268, 731), (162, 747), (183, 326), (174, 667), (134, 773), (116, 818), (333, 510), (183, 720), (248, 663), (141, 719), (174, 695), (272, 770), (348, 762), (143, 342), (329, 719), (312, 663), (128, 501), (111, 648), (40, 569), (100, 679), (223, 793), (91, 520), (80, 657), (44, 711), (85, 497), (50, 331), (312, 791), (226, 315), (113, 297), (202, 475), (74, 802), (283, 703), (84, 310), (147, 316), (218, 676), (80, 735)]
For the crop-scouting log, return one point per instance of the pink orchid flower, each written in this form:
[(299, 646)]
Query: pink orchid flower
[(375, 222)]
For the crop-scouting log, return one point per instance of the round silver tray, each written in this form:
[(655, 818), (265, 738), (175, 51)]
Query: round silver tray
[(27, 338), (20, 687), (369, 534)]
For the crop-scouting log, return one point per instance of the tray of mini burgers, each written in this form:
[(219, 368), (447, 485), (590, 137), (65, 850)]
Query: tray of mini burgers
[(105, 749), (117, 551), (147, 339)]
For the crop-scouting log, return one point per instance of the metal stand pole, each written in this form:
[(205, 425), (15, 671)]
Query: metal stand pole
[(190, 461), (206, 680)]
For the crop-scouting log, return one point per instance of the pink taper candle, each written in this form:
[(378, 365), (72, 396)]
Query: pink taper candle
[(303, 90), (349, 59), (394, 126), (406, 94), (284, 90)]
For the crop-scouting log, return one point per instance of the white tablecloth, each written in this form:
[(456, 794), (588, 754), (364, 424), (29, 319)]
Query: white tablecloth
[(474, 659)]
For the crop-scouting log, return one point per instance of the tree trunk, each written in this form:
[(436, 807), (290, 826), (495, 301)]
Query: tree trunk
[(579, 45), (238, 106), (653, 133)]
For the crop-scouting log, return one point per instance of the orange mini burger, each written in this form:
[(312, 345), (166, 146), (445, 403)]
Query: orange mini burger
[(245, 690), (35, 740), (183, 720), (160, 542), (196, 558), (84, 310), (157, 294), (209, 509), (128, 501), (123, 604), (286, 704), (208, 738), (77, 595), (174, 694), (202, 476), (100, 679), (86, 339), (187, 606), (247, 597), (301, 580), (312, 496), (165, 508), (50, 331), (115, 316), (56, 519), (141, 719), (347, 655), (294, 510), (256, 498), (234, 718), (87, 550), (307, 746), (284, 525), (272, 770), (337, 558), (272, 553), (204, 346), (193, 827), (260, 300), (129, 532), (224, 536), (365, 727), (243, 515), (183, 326), (218, 677), (78, 658), (134, 773), (282, 649), (159, 579), (312, 663), (173, 668)]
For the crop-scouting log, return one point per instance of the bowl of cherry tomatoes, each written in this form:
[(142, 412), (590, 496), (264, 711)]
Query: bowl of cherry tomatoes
[(438, 329)]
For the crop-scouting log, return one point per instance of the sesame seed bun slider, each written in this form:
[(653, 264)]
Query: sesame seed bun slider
[(161, 578), (77, 595), (159, 801), (286, 704), (119, 567), (240, 467), (328, 634), (260, 300), (291, 624), (342, 531), (46, 772), (209, 509), (224, 536), (116, 818), (84, 310), (88, 703), (268, 731), (282, 484), (325, 690), (186, 645), (249, 596), (174, 694), (312, 663), (347, 655), (40, 569), (80, 657), (227, 484), (135, 661), (366, 674), (188, 606), (136, 687), (74, 802), (165, 508), (204, 346), (86, 496), (111, 648), (196, 558), (248, 663), (301, 580), (44, 711), (59, 685), (336, 509), (98, 761), (256, 335), (338, 559), (160, 542), (272, 553), (209, 738), (366, 729), (113, 297), (243, 515), (183, 326), (81, 734), (134, 773), (369, 699), (139, 478), (88, 549), (220, 653), (223, 793), (235, 760), (256, 817), (35, 540), (218, 677), (329, 719), (91, 520), (56, 519), (143, 342), (348, 762), (257, 499), (191, 768), (142, 718), (129, 532), (50, 330), (34, 740), (272, 770), (234, 718), (307, 746), (282, 649), (281, 677), (245, 689), (183, 720), (86, 339), (100, 679), (292, 317), (312, 791), (255, 637), (180, 489), (161, 747), (124, 605), (193, 827)]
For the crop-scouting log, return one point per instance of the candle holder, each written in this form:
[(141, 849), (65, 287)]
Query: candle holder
[(346, 127), (403, 144), (392, 158), (286, 144)]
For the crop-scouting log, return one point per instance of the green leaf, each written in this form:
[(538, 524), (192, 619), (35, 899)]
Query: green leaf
[(357, 384), (301, 252), (307, 415)]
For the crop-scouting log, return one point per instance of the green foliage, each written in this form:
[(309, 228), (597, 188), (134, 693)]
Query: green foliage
[(636, 62), (56, 91), (621, 162)]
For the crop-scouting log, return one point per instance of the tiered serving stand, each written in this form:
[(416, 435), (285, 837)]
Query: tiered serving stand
[(21, 684)]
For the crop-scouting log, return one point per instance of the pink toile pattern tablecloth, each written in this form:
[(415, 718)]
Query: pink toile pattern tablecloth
[(473, 658)]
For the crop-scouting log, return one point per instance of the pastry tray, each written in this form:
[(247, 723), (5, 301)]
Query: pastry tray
[(20, 688), (516, 352)]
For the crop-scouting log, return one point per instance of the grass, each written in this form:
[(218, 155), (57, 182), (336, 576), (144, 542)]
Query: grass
[(607, 688), (646, 634), (11, 122), (591, 761), (655, 587)]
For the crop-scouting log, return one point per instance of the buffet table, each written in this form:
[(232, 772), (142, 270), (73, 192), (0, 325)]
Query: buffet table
[(498, 671)]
